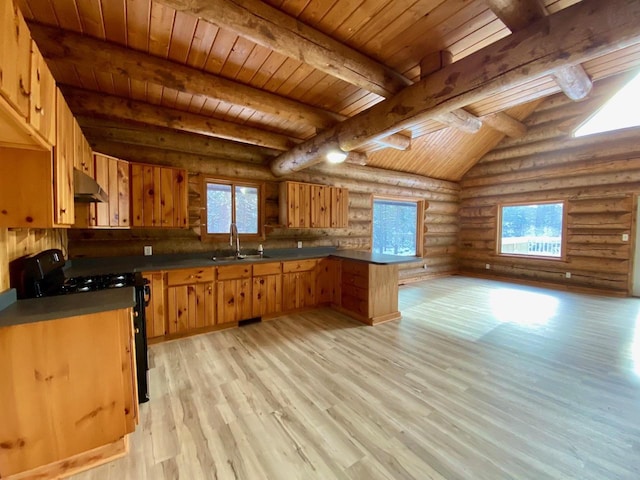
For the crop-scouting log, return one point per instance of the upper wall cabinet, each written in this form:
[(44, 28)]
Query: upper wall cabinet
[(306, 205), (42, 112), (19, 127), (64, 158), (158, 196)]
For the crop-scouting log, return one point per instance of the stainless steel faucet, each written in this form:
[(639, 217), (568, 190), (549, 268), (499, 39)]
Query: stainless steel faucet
[(233, 230)]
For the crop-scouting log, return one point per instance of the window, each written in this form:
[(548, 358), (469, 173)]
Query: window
[(532, 230), (397, 226), (233, 202), (617, 113)]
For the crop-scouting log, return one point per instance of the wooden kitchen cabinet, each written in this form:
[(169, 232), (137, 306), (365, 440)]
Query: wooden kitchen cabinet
[(298, 284), (158, 196), (155, 311), (305, 205), (328, 273), (64, 157), (369, 291), (15, 58), (68, 386), (190, 299), (42, 111), (233, 290), (267, 289), (112, 174)]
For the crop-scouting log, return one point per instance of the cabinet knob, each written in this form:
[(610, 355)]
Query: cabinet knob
[(39, 109), (137, 330), (63, 210)]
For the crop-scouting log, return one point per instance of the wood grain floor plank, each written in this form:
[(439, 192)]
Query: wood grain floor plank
[(479, 380)]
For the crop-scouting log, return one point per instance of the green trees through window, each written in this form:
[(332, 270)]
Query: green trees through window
[(395, 227), (227, 203), (534, 230)]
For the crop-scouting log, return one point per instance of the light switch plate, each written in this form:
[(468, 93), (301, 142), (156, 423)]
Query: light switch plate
[(148, 250), (300, 244), (625, 237)]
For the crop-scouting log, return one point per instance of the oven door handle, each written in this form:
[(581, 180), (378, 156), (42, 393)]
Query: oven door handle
[(147, 295)]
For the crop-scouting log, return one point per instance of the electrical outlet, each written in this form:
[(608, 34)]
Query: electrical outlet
[(424, 266), (487, 266), (625, 237), (148, 250), (567, 275), (299, 243)]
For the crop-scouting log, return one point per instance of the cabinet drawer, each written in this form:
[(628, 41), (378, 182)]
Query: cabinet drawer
[(299, 266), (230, 272), (360, 269), (190, 275), (355, 304), (349, 279), (267, 269)]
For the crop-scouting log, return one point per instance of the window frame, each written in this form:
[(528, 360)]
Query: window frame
[(420, 203), (563, 241), (233, 182)]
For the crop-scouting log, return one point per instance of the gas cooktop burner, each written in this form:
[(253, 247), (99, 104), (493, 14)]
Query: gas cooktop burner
[(98, 282)]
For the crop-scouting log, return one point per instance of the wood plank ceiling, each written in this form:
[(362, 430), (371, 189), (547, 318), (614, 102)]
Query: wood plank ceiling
[(395, 33)]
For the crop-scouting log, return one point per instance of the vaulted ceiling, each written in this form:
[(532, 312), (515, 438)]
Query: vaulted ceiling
[(268, 76)]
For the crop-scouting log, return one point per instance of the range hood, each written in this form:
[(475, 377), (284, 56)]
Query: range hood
[(86, 189)]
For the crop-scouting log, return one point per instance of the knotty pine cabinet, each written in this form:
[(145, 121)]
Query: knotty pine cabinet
[(158, 196), (190, 299), (369, 292), (298, 284), (27, 96), (233, 289), (155, 311), (64, 158), (306, 205), (68, 386), (267, 289), (328, 271), (42, 111)]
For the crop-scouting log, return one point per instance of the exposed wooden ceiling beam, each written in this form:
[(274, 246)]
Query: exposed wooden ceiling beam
[(579, 33), (518, 14), (397, 141), (83, 102), (460, 119), (70, 48), (268, 26), (135, 134), (506, 124)]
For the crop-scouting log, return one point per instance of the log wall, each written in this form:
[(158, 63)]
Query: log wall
[(598, 176), (16, 243), (440, 217)]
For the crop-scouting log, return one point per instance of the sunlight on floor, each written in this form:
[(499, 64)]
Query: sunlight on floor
[(510, 305)]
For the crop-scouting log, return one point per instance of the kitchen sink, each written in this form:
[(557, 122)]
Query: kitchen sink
[(241, 257)]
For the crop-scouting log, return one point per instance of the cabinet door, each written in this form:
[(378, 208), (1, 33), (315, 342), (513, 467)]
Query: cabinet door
[(339, 207), (328, 281), (298, 290), (158, 196), (296, 204), (155, 312), (320, 206), (63, 163), (233, 300), (42, 114), (15, 58), (112, 175), (267, 295), (190, 307)]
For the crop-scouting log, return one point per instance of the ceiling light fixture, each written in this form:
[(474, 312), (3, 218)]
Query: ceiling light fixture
[(336, 156)]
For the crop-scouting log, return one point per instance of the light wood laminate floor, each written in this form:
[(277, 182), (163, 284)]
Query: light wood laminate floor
[(479, 380)]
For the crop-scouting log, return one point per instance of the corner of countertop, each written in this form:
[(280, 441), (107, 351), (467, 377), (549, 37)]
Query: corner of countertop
[(8, 297)]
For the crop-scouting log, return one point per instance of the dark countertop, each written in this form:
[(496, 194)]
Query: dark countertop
[(93, 266), (63, 306)]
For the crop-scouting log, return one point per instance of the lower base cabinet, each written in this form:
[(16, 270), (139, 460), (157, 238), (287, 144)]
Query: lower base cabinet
[(233, 289), (299, 284), (68, 386), (190, 299), (267, 289)]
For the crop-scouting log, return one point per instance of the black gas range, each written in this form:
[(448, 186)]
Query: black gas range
[(42, 275)]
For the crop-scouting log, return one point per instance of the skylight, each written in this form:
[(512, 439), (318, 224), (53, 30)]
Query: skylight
[(621, 111)]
